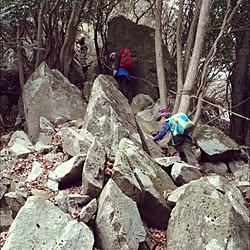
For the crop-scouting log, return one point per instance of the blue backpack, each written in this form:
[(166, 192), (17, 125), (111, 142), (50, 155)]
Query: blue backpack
[(180, 124)]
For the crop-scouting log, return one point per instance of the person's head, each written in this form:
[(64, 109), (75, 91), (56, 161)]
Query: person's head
[(112, 56), (163, 115)]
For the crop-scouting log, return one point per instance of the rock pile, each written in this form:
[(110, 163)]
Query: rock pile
[(58, 192)]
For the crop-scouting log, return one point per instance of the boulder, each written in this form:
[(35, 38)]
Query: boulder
[(214, 144), (19, 137), (3, 190), (46, 227), (118, 222), (147, 125), (47, 131), (93, 170), (53, 185), (209, 214), (109, 117), (240, 170), (152, 148), (68, 173), (19, 151), (241, 185), (146, 119), (143, 180), (183, 173), (36, 171), (139, 39), (141, 102), (64, 203), (167, 162), (22, 189), (87, 89), (49, 94), (175, 195), (79, 199), (5, 216), (74, 143), (14, 202), (88, 211), (216, 167)]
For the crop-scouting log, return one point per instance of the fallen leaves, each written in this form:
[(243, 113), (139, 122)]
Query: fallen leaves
[(158, 239), (3, 236), (167, 193)]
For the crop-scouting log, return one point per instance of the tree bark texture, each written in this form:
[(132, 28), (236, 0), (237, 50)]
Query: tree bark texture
[(39, 38), (191, 37), (240, 81), (210, 57), (66, 53), (190, 80), (179, 58), (159, 55), (20, 57)]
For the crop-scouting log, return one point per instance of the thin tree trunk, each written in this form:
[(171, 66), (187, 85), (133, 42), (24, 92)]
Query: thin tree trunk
[(195, 60), (179, 58), (159, 56), (191, 37), (39, 38), (240, 79), (20, 57), (211, 54), (66, 53)]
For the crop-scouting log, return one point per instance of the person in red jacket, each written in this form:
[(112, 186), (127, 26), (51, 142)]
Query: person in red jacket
[(121, 75)]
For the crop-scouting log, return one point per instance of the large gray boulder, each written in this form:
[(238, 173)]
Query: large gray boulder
[(141, 102), (118, 222), (5, 215), (209, 214), (92, 173), (41, 225), (19, 137), (108, 116), (240, 170), (183, 173), (74, 143), (69, 172), (139, 39), (143, 180), (216, 167), (49, 94), (146, 119), (214, 144)]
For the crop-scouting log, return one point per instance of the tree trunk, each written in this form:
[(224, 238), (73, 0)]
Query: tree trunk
[(39, 38), (240, 81), (66, 53), (179, 58), (20, 57), (191, 37), (195, 60), (210, 57), (159, 55)]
